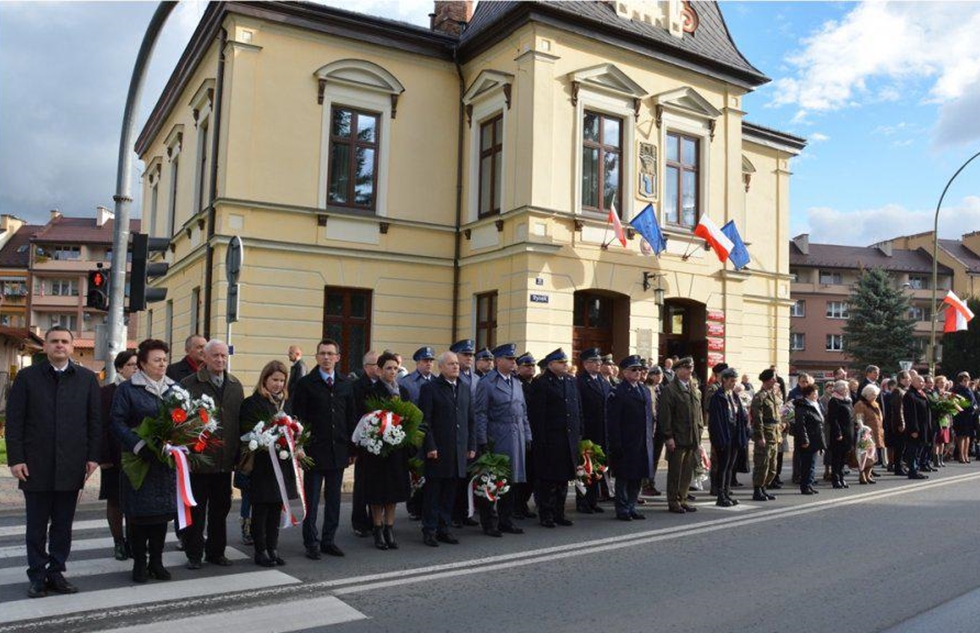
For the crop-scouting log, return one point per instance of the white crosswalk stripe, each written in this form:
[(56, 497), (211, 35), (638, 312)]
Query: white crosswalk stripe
[(297, 615), (77, 545), (20, 530), (59, 605), (97, 566)]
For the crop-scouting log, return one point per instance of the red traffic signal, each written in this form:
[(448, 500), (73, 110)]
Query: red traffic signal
[(97, 296)]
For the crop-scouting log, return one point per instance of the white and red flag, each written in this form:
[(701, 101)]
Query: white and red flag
[(617, 225), (957, 313), (710, 232)]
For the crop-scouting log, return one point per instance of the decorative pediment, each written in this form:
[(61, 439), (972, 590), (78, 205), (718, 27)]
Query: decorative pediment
[(687, 101), (747, 166), (608, 78), (486, 83), (359, 73), (153, 169), (174, 140)]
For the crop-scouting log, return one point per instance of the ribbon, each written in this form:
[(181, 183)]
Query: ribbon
[(288, 517), (185, 496), (489, 491)]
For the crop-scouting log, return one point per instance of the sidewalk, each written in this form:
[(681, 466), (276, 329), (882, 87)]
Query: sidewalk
[(11, 498)]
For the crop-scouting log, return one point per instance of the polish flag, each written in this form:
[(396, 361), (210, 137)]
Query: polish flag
[(957, 314), (710, 232), (617, 225)]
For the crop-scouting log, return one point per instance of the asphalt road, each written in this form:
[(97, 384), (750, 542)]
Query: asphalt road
[(900, 556)]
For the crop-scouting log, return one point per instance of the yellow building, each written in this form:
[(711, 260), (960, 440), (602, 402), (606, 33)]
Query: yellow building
[(397, 186), (961, 256)]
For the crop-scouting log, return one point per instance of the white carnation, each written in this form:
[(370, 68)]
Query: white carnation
[(253, 445)]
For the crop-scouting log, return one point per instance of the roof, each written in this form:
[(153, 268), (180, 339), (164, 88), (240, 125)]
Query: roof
[(79, 231), (856, 257), (21, 334), (772, 137), (12, 255), (711, 44), (963, 254)]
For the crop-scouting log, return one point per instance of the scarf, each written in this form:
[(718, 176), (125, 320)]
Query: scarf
[(156, 387), (392, 387)]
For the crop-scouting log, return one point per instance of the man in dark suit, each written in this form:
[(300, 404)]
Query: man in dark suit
[(324, 402), (54, 434), (297, 368), (465, 351), (629, 426), (360, 518), (447, 415), (593, 392), (555, 415), (193, 360)]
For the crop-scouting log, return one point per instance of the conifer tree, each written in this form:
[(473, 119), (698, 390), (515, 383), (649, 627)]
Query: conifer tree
[(879, 327)]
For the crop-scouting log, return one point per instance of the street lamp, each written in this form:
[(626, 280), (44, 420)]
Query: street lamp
[(935, 265)]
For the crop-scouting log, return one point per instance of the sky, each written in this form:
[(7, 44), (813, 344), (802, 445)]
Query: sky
[(886, 93)]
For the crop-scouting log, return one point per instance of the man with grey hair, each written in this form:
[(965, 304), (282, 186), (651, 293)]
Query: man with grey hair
[(193, 359), (211, 482)]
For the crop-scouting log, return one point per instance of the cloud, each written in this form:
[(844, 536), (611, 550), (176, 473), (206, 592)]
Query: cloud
[(818, 137), (958, 121), (867, 226), (879, 51)]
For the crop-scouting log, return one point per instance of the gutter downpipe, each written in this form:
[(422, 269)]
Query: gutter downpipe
[(459, 196)]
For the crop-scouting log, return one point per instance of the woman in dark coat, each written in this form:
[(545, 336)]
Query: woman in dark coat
[(386, 481), (149, 509), (840, 421), (126, 365), (266, 498), (808, 435)]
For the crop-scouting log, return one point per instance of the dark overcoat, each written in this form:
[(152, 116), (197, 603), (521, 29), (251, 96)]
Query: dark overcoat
[(629, 427), (330, 415), (54, 425), (808, 425), (555, 414), (727, 421), (158, 494), (448, 422), (915, 409), (228, 402), (263, 487), (840, 421), (593, 393), (180, 370)]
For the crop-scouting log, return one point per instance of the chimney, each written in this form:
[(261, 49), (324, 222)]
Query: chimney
[(103, 215), (451, 18), (885, 248), (802, 242), (10, 223), (55, 214)]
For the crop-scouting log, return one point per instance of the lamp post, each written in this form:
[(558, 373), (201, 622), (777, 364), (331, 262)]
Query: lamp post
[(935, 265)]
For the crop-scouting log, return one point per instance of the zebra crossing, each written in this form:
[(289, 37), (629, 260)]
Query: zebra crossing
[(105, 585)]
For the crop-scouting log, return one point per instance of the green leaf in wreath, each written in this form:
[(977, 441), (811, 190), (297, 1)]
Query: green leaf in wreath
[(135, 468)]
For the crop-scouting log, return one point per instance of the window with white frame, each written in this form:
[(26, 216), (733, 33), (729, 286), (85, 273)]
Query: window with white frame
[(829, 278), (837, 310), (487, 102), (66, 253), (918, 282), (682, 197), (174, 142), (201, 177), (918, 313), (64, 287), (359, 100), (69, 321), (798, 309), (797, 341), (835, 343)]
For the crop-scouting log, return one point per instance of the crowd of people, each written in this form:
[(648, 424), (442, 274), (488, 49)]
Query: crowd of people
[(61, 427)]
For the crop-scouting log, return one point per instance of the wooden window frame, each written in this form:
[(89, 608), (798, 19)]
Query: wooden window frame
[(603, 150), (353, 144), (490, 153), (488, 327), (679, 137), (345, 320)]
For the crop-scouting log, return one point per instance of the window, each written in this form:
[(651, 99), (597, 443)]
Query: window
[(67, 253), (835, 342), (602, 175), (202, 165), (64, 287), (69, 321), (13, 288), (798, 309), (354, 146), (794, 275), (149, 324), (797, 342), (682, 201), (5, 319), (195, 309), (486, 320), (491, 155), (918, 282), (169, 324), (837, 310), (830, 279), (154, 200), (172, 209), (919, 313), (347, 320)]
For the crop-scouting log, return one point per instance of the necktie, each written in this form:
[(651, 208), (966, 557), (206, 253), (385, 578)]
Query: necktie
[(329, 381)]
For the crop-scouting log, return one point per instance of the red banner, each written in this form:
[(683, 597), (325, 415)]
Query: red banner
[(716, 315), (716, 344), (714, 358), (716, 329)]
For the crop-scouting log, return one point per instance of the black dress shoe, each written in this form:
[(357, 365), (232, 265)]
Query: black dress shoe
[(918, 476), (564, 522), (547, 523), (769, 497), (429, 539), (262, 560), (806, 491), (193, 563), (636, 516), (359, 533), (691, 497), (276, 558), (758, 495), (624, 517), (156, 570), (456, 524), (655, 493), (57, 583), (688, 508), (641, 502), (776, 485), (598, 510), (468, 522), (494, 532), (331, 549), (511, 529), (446, 537), (38, 589), (313, 553), (585, 510), (221, 561), (677, 510), (723, 502)]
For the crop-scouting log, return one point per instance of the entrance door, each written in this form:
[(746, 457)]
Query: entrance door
[(592, 322), (685, 333)]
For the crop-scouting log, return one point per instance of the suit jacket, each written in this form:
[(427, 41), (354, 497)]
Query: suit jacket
[(501, 418), (181, 369), (555, 415), (228, 402), (363, 389), (448, 423), (330, 414), (629, 427), (296, 371), (54, 425), (593, 393)]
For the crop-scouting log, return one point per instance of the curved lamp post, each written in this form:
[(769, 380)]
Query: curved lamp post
[(935, 264)]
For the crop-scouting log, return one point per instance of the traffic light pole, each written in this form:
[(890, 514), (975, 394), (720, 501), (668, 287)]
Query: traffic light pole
[(123, 198)]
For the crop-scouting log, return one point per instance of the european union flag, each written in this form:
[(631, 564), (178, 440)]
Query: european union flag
[(739, 257), (646, 225)]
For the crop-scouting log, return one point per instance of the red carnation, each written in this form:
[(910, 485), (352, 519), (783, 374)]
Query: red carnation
[(179, 416), (199, 446), (203, 415), (282, 442), (500, 484), (396, 419)]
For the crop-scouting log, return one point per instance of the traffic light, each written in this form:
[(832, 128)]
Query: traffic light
[(142, 271), (97, 296)]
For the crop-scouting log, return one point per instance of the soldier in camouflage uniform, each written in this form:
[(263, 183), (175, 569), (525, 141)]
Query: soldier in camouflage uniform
[(766, 434)]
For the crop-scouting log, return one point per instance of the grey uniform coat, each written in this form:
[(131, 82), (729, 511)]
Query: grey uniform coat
[(501, 418), (413, 383)]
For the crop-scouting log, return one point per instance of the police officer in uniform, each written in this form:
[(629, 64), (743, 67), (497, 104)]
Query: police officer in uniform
[(629, 426), (483, 362), (424, 358), (593, 392), (766, 435), (680, 417), (555, 415)]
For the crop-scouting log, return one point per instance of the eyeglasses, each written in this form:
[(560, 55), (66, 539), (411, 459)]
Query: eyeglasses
[(327, 354)]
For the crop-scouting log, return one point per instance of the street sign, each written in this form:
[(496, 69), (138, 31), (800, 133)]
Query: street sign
[(233, 304), (905, 365), (234, 259)]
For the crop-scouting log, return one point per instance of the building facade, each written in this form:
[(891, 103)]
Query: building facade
[(961, 256), (15, 236), (397, 186)]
